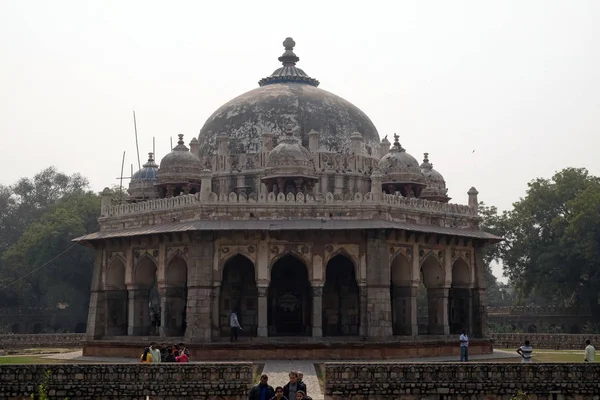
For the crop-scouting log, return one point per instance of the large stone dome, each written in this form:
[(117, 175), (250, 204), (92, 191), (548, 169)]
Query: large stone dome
[(288, 96)]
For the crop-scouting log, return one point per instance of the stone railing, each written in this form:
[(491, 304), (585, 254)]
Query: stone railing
[(537, 310), (42, 340), (226, 381), (379, 381), (556, 341), (271, 199)]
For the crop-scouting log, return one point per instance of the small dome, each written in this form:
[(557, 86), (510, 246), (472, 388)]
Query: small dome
[(148, 171), (436, 185), (180, 165), (290, 158), (398, 166)]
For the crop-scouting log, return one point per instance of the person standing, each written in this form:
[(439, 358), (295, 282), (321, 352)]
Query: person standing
[(464, 347), (234, 325), (156, 358), (301, 380), (590, 352), (279, 394), (525, 352), (293, 386), (262, 391)]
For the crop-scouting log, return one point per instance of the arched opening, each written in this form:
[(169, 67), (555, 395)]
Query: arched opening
[(116, 299), (432, 277), (239, 292), (175, 298), (290, 301), (401, 293), (459, 298), (144, 302), (341, 308)]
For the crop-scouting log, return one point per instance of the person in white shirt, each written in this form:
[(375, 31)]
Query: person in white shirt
[(590, 352), (155, 353), (234, 325), (464, 347), (525, 352)]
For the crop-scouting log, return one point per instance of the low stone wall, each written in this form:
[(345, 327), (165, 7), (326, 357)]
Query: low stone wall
[(223, 381), (554, 341), (42, 340), (384, 381), (292, 350)]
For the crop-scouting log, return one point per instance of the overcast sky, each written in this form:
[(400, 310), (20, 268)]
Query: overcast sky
[(517, 82)]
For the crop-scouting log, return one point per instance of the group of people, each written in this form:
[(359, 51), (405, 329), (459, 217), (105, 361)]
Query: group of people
[(165, 353), (295, 389)]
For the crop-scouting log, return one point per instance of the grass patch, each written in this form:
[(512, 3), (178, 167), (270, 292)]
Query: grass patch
[(257, 370), (551, 356), (39, 350), (320, 370), (28, 360)]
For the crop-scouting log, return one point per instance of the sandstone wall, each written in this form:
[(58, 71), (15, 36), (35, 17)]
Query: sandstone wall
[(42, 340), (544, 340), (223, 381), (385, 381)]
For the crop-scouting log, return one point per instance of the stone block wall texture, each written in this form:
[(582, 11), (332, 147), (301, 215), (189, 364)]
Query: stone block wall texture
[(42, 340), (223, 381), (485, 381), (554, 341)]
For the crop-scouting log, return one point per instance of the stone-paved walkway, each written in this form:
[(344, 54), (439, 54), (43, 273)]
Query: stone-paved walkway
[(278, 372)]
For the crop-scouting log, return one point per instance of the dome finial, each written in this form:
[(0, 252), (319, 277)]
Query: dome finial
[(426, 164), (397, 145), (180, 141), (150, 157), (289, 129), (288, 58)]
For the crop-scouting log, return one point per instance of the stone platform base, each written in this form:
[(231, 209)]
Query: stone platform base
[(292, 349)]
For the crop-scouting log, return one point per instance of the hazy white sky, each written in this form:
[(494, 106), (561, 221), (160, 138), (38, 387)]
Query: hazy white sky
[(516, 81)]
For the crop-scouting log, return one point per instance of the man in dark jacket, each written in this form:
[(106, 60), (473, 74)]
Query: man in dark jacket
[(290, 388), (262, 391)]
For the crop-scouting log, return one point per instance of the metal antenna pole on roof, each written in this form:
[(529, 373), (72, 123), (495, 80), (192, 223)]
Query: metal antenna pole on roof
[(137, 147), (154, 147), (121, 179), (171, 138)]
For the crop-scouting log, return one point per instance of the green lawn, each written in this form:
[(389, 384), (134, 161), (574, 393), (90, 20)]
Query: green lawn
[(27, 360), (552, 356)]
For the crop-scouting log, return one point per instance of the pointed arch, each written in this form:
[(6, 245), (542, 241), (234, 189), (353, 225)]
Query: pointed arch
[(293, 254), (432, 272), (238, 292), (461, 273), (231, 256), (401, 270), (344, 253), (401, 293), (341, 307), (176, 273), (144, 273), (114, 278), (116, 298)]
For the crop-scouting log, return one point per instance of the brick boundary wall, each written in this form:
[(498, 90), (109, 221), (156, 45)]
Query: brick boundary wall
[(554, 341), (42, 340), (223, 381), (454, 381)]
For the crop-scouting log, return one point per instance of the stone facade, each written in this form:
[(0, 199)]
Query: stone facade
[(42, 340), (384, 381), (222, 381), (307, 235)]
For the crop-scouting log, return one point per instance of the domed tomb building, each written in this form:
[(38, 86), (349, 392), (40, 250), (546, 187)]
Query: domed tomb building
[(290, 210)]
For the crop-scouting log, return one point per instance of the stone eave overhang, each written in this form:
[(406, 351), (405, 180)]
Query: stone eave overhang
[(288, 225)]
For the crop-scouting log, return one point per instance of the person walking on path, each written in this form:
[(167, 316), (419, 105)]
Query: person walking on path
[(279, 394), (464, 347), (590, 352), (262, 391), (235, 326), (525, 352), (293, 386)]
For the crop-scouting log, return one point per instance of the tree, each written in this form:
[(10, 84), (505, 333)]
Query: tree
[(552, 247), (494, 223), (67, 212)]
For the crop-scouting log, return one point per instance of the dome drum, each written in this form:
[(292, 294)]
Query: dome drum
[(401, 172), (436, 185)]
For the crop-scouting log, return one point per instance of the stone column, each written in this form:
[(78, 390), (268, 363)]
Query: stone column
[(215, 311), (200, 287), (438, 311), (138, 311), (479, 313), (379, 304), (317, 309), (165, 311), (362, 290), (263, 324), (96, 326)]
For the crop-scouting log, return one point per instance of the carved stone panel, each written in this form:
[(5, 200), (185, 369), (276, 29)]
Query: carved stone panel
[(139, 253), (400, 248), (179, 251)]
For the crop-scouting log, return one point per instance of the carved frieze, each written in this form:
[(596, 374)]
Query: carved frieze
[(425, 252), (464, 254), (111, 255), (138, 254), (177, 251)]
